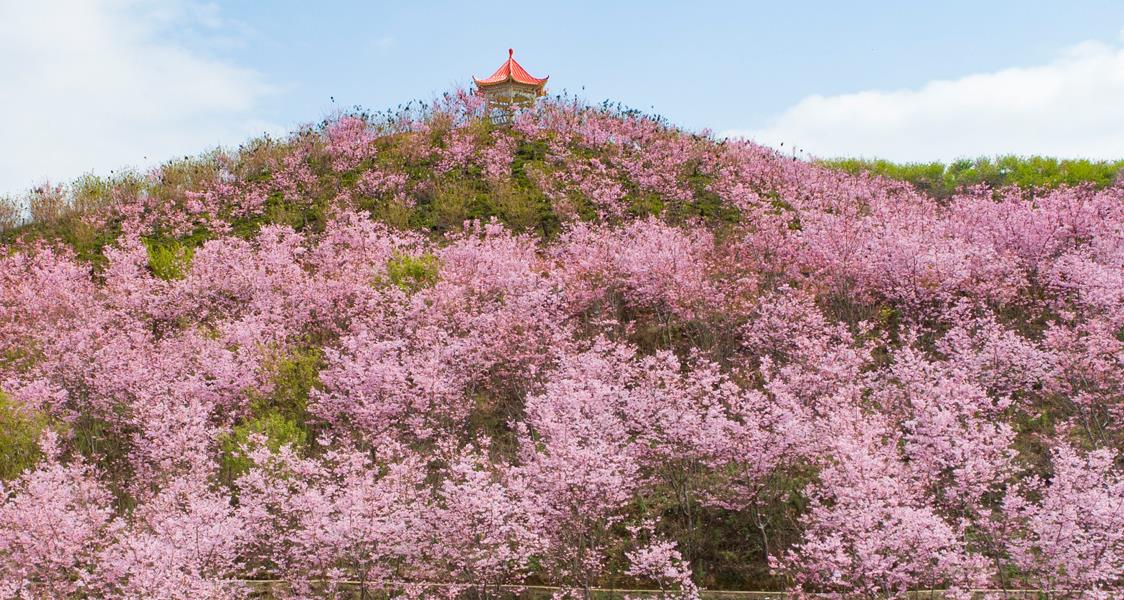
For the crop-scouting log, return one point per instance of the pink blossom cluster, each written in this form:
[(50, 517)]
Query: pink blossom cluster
[(841, 385)]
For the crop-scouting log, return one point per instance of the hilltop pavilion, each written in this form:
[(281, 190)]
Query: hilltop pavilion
[(511, 87)]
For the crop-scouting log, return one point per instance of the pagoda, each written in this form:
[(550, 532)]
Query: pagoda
[(511, 87)]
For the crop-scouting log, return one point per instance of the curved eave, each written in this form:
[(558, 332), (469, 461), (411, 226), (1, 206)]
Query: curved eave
[(490, 82)]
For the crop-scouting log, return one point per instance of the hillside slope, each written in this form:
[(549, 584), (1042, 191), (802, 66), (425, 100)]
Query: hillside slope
[(426, 354)]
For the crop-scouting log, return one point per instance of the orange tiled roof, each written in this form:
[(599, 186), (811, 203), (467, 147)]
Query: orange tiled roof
[(510, 71)]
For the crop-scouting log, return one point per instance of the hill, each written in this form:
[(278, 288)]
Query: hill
[(426, 355)]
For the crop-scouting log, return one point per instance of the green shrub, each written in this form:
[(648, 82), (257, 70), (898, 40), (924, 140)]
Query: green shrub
[(169, 260), (281, 416), (942, 180), (273, 428), (412, 273), (91, 192), (20, 428), (296, 374), (451, 204), (16, 358)]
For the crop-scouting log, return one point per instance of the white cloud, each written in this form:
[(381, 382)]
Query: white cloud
[(96, 85), (1070, 107)]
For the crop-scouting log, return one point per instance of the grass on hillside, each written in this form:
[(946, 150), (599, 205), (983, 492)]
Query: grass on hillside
[(942, 180), (60, 213)]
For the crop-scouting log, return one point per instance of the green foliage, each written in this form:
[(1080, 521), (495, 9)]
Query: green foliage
[(97, 439), (449, 205), (643, 205), (707, 204), (943, 180), (19, 358), (280, 418), (296, 374), (412, 273), (456, 197), (101, 439), (269, 428), (169, 260), (20, 428), (90, 192), (88, 240), (312, 216)]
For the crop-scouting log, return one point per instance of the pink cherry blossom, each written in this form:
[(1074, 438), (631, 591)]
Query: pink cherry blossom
[(647, 357)]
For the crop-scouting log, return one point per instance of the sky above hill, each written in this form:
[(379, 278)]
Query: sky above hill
[(92, 85)]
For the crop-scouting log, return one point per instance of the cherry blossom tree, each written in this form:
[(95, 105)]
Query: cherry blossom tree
[(419, 354)]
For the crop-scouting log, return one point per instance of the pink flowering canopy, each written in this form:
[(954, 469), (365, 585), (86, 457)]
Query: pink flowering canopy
[(412, 352)]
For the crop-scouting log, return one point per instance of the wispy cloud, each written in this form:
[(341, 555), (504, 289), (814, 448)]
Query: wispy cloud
[(384, 42), (95, 85), (1070, 107)]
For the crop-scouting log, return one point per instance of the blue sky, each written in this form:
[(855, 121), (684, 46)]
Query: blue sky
[(103, 84), (722, 65)]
